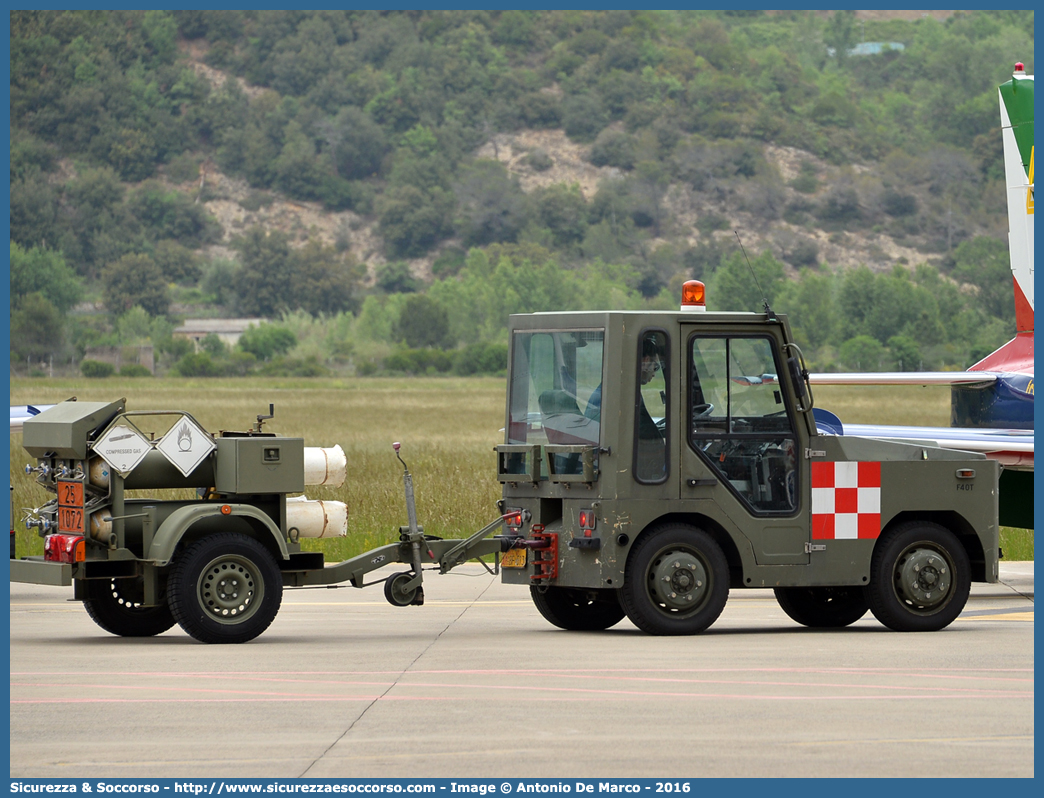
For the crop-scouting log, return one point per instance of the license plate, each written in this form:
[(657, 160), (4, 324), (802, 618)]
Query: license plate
[(70, 507), (514, 558)]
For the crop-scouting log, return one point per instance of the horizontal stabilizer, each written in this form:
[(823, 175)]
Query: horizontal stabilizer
[(1012, 448), (904, 378)]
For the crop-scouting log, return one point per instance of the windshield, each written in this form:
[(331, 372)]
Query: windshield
[(556, 387)]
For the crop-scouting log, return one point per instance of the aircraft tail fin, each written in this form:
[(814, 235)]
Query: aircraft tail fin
[(1016, 109)]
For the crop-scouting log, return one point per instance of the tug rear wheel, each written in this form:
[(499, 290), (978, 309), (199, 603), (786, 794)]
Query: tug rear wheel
[(225, 588), (116, 606), (823, 607), (677, 581), (577, 609)]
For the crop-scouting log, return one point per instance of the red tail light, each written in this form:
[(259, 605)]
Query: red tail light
[(587, 519), (65, 548)]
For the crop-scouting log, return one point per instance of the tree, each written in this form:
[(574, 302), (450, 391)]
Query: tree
[(34, 210), (411, 221), (862, 353), (213, 346), (491, 205), (43, 271), (267, 341), (265, 284), (840, 34), (135, 280), (178, 263), (809, 302), (36, 328), (613, 148), (424, 323), (297, 170), (356, 143), (733, 287), (325, 280), (134, 326), (133, 154), (563, 211), (396, 278), (984, 263), (906, 352), (583, 117)]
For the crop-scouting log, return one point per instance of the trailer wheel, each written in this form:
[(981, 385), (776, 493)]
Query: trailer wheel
[(920, 578), (677, 581), (115, 605), (577, 609), (225, 588), (823, 607), (397, 595)]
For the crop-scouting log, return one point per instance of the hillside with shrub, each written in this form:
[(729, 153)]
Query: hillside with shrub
[(386, 187)]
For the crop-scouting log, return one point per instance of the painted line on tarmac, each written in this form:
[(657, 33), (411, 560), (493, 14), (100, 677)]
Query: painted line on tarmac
[(997, 615), (636, 680), (905, 741), (548, 693), (941, 673)]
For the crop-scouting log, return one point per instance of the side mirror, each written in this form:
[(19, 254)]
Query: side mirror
[(797, 377)]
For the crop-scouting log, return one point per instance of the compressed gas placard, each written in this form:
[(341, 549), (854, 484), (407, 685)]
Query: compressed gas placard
[(122, 448)]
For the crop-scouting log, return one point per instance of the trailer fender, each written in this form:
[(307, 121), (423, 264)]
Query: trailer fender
[(171, 531)]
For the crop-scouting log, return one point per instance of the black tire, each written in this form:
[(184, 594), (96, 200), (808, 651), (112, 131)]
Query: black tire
[(578, 609), (677, 581), (397, 595), (823, 607), (225, 588), (920, 578), (115, 605)]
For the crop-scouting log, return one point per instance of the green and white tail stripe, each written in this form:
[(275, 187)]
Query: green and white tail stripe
[(1016, 107)]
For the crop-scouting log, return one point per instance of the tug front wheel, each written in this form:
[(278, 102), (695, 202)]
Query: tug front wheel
[(577, 609), (225, 588), (115, 605)]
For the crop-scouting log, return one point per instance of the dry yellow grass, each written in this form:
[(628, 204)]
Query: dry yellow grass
[(448, 428)]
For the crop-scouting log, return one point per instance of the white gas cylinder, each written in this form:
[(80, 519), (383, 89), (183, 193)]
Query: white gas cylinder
[(316, 519), (325, 466)]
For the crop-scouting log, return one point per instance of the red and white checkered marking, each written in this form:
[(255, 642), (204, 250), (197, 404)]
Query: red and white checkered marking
[(846, 501)]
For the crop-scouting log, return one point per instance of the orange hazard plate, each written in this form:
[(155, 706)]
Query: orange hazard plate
[(70, 507), (514, 558)]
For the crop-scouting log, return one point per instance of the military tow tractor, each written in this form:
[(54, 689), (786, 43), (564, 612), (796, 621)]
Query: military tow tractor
[(652, 462), (655, 460)]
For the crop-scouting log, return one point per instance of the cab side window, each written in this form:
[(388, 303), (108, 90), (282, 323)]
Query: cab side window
[(740, 423), (650, 409)]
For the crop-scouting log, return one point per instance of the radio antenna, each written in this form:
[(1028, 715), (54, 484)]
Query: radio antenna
[(764, 299)]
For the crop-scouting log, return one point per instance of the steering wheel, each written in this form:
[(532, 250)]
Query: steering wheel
[(702, 410)]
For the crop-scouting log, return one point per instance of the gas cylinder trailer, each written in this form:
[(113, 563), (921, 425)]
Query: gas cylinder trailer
[(652, 462), (216, 564)]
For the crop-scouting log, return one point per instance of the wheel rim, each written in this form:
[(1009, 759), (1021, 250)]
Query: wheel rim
[(230, 589), (396, 591), (678, 581), (923, 577)]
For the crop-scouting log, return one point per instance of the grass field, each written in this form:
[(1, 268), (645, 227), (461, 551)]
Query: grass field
[(448, 428)]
